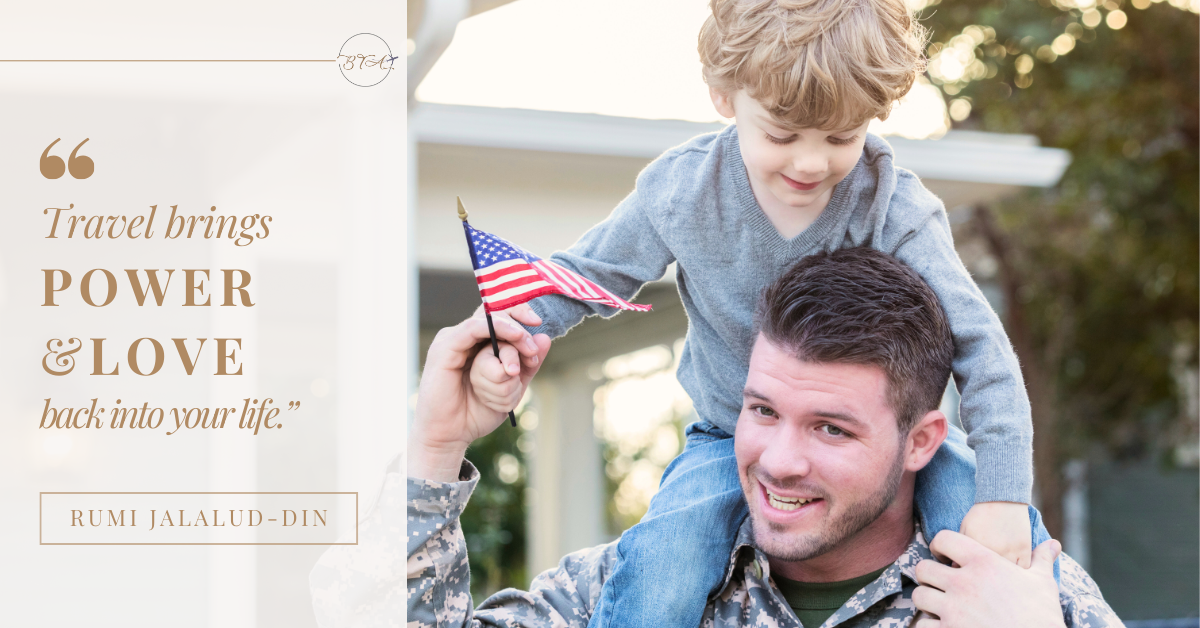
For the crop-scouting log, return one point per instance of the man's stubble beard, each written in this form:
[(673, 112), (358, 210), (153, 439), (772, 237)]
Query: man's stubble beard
[(854, 520)]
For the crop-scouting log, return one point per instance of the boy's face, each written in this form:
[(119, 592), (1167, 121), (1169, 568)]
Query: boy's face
[(789, 168)]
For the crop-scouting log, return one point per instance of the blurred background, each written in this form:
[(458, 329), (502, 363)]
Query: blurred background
[(1062, 136)]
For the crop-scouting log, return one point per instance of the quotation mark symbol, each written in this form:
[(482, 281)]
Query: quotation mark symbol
[(52, 167), (293, 407)]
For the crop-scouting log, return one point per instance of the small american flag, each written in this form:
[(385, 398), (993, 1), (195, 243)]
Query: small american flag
[(509, 275)]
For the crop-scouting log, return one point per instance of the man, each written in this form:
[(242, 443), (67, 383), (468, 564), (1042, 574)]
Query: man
[(839, 413)]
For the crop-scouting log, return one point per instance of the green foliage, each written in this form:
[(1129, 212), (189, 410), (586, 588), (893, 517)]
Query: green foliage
[(1108, 259), (620, 461), (494, 523)]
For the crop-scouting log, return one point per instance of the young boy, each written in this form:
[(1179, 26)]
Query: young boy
[(796, 174)]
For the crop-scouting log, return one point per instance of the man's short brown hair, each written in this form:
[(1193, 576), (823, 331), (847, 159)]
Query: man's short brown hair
[(861, 306), (814, 64)]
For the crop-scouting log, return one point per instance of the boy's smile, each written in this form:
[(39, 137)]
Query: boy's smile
[(792, 172), (798, 185)]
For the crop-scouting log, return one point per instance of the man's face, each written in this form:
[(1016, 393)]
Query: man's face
[(795, 168), (819, 453)]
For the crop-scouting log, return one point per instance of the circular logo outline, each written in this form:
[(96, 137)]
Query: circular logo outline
[(342, 68)]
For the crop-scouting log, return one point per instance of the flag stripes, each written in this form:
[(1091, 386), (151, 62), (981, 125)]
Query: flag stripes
[(508, 275)]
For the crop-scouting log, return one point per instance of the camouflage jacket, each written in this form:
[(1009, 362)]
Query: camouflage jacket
[(359, 585)]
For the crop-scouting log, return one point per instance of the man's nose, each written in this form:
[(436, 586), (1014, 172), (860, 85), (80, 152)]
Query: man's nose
[(786, 457)]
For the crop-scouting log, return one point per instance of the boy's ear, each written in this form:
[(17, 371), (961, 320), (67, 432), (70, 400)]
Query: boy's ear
[(722, 101)]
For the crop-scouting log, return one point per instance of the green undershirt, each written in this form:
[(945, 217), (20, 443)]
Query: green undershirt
[(814, 602)]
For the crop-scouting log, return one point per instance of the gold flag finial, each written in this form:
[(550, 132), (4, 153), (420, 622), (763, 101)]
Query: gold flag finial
[(462, 212)]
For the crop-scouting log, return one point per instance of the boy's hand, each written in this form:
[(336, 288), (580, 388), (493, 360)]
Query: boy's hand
[(1002, 527), (449, 414), (986, 591), (497, 383), (522, 314)]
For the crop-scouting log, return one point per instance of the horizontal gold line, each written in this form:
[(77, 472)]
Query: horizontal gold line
[(198, 493), (197, 543), (166, 60)]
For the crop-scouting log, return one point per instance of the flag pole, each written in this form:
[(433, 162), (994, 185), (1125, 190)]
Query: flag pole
[(462, 215)]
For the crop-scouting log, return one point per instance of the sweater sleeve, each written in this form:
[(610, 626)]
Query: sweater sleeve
[(994, 409), (621, 254)]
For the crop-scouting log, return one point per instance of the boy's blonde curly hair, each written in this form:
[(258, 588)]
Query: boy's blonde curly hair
[(823, 64)]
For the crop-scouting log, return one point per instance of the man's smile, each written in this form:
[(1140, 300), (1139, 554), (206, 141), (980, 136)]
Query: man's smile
[(785, 503), (780, 508)]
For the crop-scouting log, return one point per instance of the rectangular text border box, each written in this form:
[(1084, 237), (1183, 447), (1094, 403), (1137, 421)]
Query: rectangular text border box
[(354, 493)]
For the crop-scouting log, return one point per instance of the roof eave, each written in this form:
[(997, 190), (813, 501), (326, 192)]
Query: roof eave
[(970, 157)]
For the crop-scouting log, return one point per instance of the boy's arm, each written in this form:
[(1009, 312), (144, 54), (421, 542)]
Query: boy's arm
[(621, 254), (995, 408), (355, 585)]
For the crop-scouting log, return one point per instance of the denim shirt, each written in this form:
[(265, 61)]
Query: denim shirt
[(360, 584)]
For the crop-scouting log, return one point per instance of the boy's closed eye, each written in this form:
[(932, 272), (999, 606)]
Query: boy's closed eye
[(836, 141)]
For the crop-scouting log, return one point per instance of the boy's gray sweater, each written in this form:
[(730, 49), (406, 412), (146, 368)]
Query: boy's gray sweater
[(693, 205)]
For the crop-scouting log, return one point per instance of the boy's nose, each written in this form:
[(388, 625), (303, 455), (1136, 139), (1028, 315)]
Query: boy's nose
[(810, 163)]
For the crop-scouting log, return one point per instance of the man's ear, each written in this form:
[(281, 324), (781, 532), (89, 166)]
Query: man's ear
[(722, 101), (924, 439)]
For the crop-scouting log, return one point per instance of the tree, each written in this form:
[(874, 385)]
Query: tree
[(1100, 272)]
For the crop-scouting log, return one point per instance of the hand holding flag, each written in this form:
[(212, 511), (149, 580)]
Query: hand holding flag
[(508, 276)]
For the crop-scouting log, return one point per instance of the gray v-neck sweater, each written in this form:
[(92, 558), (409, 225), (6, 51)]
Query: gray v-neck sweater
[(693, 205)]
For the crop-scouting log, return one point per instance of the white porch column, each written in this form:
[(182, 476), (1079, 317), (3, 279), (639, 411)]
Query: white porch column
[(566, 509)]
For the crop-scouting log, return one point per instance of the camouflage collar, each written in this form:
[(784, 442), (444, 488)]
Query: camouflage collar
[(888, 583)]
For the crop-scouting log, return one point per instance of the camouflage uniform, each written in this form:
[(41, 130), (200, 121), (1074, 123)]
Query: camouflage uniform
[(359, 585)]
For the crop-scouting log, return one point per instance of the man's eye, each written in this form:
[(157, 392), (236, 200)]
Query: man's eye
[(763, 410), (833, 430), (780, 140)]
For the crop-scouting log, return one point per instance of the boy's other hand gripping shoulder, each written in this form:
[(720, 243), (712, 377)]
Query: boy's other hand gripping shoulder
[(1002, 527), (497, 383)]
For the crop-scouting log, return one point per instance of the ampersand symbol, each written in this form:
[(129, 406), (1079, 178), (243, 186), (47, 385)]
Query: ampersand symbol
[(64, 361)]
